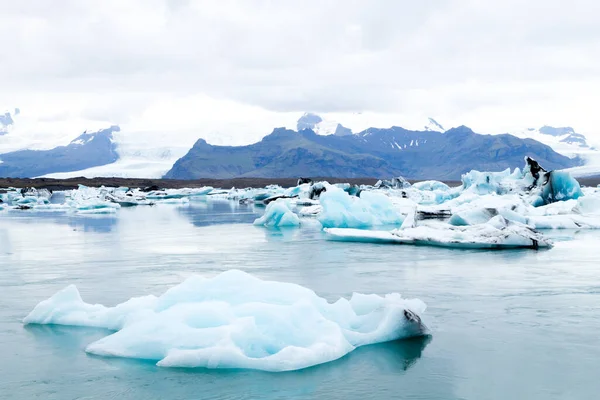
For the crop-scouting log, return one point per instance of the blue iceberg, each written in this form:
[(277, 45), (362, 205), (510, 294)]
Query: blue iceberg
[(340, 210), (278, 214), (236, 320)]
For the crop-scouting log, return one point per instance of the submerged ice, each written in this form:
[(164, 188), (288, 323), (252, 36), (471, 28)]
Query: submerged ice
[(236, 320)]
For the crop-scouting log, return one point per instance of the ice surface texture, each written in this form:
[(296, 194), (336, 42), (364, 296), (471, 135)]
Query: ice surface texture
[(498, 233), (340, 210), (235, 320)]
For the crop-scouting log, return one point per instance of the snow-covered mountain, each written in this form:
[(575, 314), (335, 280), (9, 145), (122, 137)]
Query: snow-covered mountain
[(371, 153), (320, 126), (563, 138), (433, 125), (148, 151), (146, 147), (566, 141), (89, 149)]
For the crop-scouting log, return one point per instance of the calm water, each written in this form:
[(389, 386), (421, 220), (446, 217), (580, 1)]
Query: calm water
[(506, 325)]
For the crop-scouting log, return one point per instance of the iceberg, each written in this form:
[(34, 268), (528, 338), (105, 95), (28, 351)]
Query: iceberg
[(278, 214), (498, 233), (340, 210), (394, 183), (236, 320), (503, 182), (560, 186)]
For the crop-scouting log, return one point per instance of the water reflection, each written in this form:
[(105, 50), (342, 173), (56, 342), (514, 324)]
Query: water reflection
[(392, 357), (215, 212), (100, 223), (66, 338)]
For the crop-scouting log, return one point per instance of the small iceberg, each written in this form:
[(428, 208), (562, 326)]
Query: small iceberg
[(278, 214), (235, 320), (498, 233), (341, 210)]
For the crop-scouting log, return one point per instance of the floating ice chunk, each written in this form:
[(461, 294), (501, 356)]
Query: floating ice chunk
[(495, 182), (431, 186), (235, 320), (473, 216), (278, 214), (559, 187), (301, 190), (67, 308), (344, 211), (394, 183), (410, 221), (306, 202), (588, 204), (498, 233), (310, 211), (98, 210), (563, 222)]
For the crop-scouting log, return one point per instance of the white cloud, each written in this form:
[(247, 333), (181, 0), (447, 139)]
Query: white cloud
[(210, 65)]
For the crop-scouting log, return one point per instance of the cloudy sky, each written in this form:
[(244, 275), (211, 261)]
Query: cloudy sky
[(238, 68)]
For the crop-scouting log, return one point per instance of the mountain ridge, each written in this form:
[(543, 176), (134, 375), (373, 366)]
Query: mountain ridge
[(372, 152), (85, 151)]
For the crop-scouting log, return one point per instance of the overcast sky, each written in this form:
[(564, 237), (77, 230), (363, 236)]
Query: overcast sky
[(491, 65)]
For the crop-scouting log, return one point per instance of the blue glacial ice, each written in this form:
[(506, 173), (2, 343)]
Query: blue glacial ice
[(560, 186), (340, 210), (235, 320), (278, 214)]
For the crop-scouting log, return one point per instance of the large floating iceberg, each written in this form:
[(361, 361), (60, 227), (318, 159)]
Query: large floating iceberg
[(235, 320), (498, 233)]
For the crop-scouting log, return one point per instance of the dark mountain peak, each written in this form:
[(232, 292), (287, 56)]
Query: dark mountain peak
[(341, 130), (202, 143), (552, 131), (308, 121), (103, 134), (460, 131), (281, 133)]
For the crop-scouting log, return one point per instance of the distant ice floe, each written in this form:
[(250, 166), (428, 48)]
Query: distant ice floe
[(236, 320), (533, 197), (497, 233)]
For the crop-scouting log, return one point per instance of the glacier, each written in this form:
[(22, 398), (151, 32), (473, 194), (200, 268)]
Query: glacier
[(236, 320)]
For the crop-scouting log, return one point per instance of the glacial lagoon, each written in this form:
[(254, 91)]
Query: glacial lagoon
[(503, 324)]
